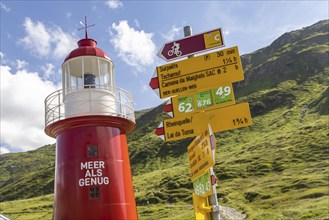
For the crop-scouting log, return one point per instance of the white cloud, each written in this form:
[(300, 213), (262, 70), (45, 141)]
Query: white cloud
[(4, 7), (37, 38), (48, 71), (63, 43), (68, 14), (21, 64), (226, 32), (137, 23), (135, 48), (114, 4), (22, 109), (44, 41), (4, 150), (172, 33), (145, 88), (2, 57)]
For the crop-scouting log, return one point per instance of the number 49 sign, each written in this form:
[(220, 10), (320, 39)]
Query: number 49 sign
[(204, 100)]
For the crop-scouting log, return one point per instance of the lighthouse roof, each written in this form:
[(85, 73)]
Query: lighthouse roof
[(87, 47)]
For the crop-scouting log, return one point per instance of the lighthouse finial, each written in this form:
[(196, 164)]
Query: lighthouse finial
[(85, 26)]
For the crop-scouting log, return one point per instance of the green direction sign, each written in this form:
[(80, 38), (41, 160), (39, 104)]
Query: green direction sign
[(211, 98), (202, 184), (185, 104), (223, 94), (204, 99)]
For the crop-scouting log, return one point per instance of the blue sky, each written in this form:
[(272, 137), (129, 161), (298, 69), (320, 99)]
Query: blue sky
[(37, 35)]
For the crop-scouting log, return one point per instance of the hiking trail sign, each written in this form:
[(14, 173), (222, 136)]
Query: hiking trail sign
[(196, 73), (220, 119), (190, 45)]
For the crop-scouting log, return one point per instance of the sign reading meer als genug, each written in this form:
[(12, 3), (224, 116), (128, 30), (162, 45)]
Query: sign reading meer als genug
[(197, 73), (191, 45)]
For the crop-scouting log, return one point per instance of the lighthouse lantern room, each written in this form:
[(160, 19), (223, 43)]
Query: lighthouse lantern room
[(90, 117), (87, 74)]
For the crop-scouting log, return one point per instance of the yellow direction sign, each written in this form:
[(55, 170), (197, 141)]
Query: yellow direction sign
[(200, 155), (201, 207), (207, 99), (221, 119), (197, 73)]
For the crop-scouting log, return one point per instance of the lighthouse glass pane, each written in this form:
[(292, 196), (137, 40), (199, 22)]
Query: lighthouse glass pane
[(91, 68), (72, 74), (106, 74), (75, 67), (73, 81), (65, 77)]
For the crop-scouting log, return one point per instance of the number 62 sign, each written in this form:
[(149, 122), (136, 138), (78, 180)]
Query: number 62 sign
[(204, 100)]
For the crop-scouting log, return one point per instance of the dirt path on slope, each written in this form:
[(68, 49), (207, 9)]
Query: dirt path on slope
[(228, 213)]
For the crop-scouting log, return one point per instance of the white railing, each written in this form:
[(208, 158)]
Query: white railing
[(91, 100)]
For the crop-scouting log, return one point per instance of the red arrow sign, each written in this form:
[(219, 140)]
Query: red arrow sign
[(190, 45)]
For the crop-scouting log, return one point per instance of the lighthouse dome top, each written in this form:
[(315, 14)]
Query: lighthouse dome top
[(87, 47)]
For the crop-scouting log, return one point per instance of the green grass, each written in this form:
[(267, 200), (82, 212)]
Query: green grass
[(275, 169), (41, 208), (38, 208)]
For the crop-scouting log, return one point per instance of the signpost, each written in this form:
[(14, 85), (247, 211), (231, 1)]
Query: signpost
[(202, 97), (219, 96), (200, 155), (191, 45), (220, 119), (202, 209), (197, 73)]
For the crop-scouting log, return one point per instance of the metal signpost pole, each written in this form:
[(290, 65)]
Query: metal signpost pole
[(212, 198), (187, 33), (213, 201), (200, 91)]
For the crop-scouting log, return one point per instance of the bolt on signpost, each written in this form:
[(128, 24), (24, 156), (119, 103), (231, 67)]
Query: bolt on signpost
[(201, 102)]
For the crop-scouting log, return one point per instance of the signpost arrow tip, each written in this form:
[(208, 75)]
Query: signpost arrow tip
[(160, 131), (168, 108)]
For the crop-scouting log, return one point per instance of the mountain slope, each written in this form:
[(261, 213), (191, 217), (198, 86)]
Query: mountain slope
[(27, 174), (296, 55), (275, 169)]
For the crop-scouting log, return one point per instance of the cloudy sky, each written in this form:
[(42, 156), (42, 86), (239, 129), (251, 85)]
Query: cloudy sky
[(37, 35)]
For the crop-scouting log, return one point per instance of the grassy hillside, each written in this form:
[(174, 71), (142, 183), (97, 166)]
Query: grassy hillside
[(27, 174), (275, 169)]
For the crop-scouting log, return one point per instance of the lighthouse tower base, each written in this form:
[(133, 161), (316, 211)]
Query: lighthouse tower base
[(93, 177)]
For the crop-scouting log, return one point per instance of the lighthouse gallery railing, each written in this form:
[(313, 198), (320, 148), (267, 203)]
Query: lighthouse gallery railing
[(112, 102)]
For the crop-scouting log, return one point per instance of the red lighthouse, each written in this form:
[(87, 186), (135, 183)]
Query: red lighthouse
[(90, 117)]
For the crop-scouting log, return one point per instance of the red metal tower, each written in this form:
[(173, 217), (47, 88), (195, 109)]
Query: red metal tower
[(90, 117)]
